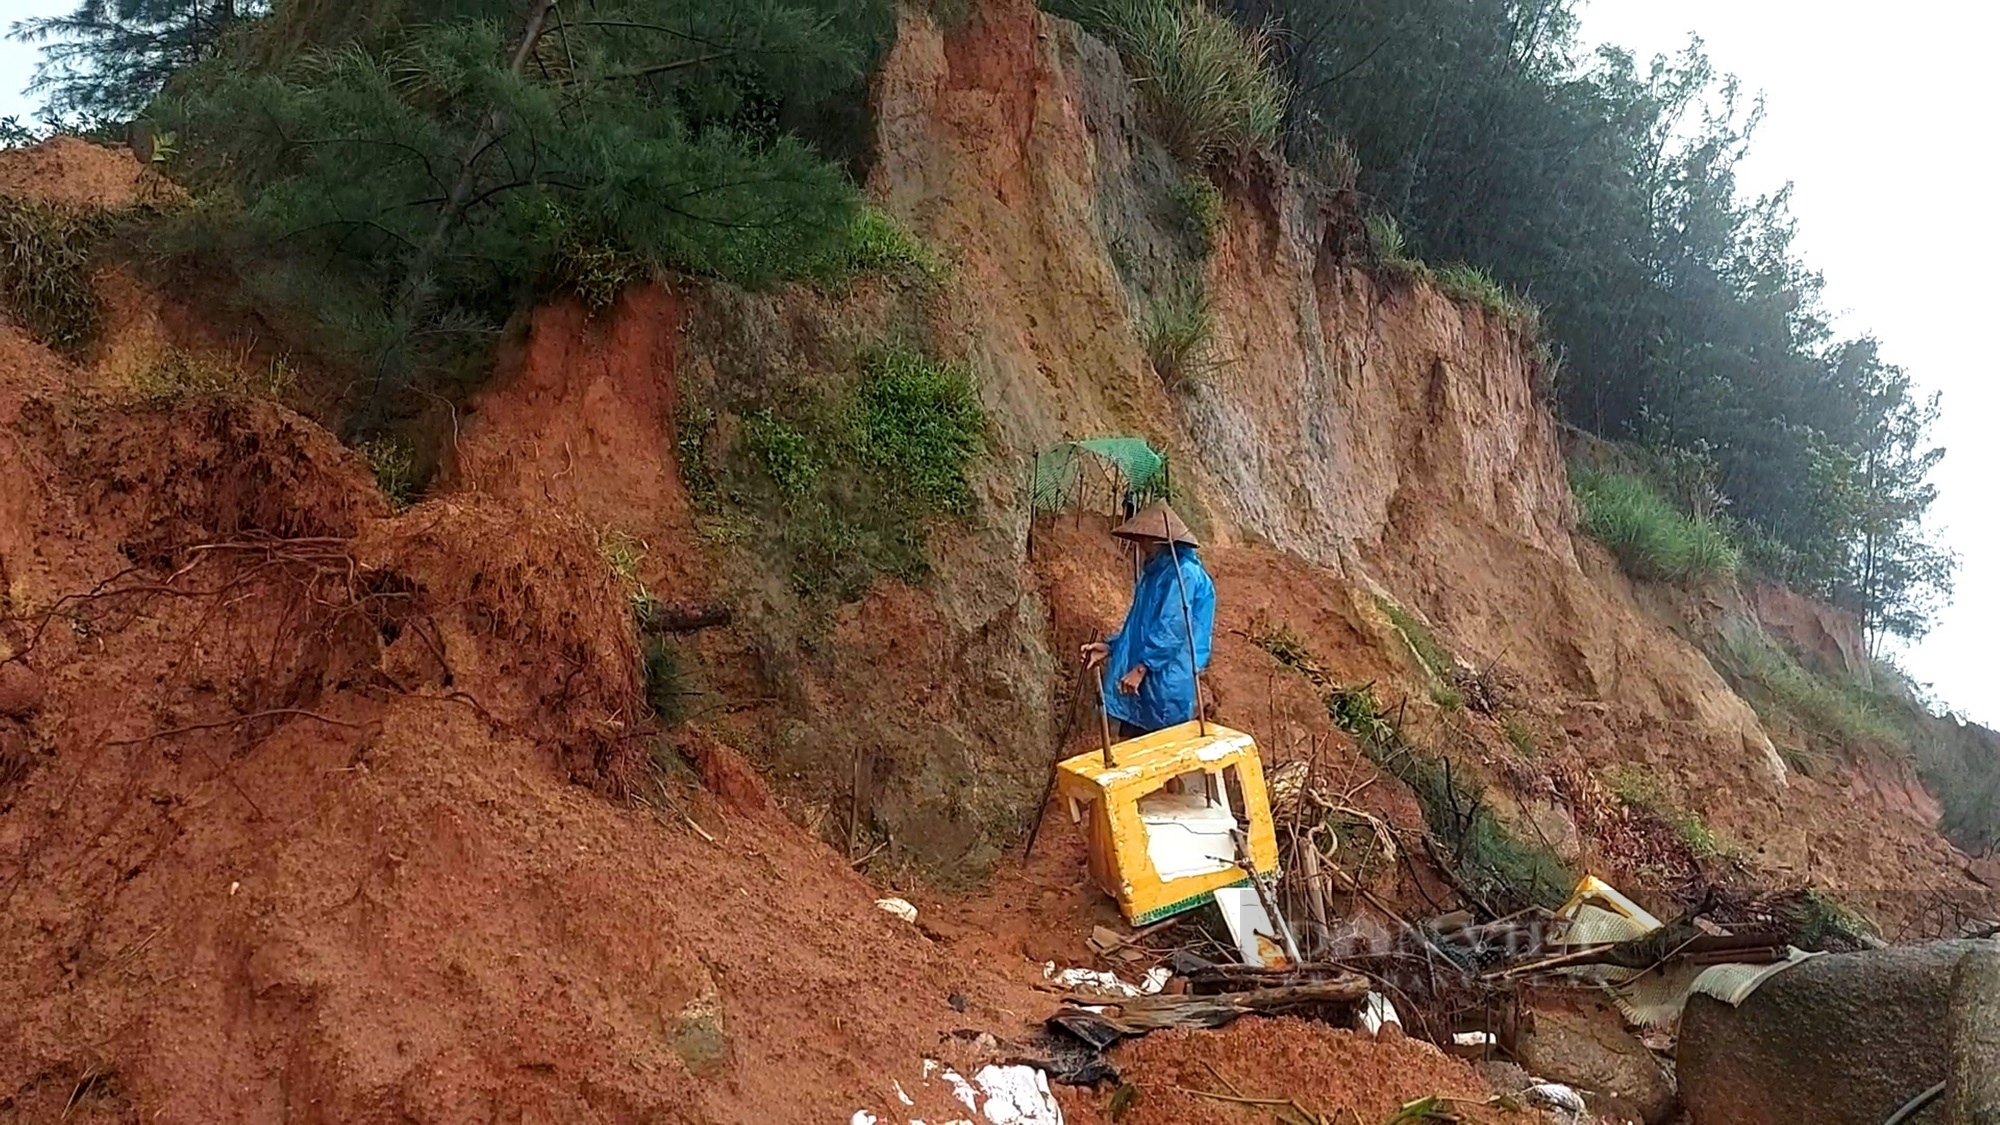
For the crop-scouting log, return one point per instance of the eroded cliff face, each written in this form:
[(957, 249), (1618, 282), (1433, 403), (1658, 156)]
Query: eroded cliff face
[(1373, 432), (1354, 435)]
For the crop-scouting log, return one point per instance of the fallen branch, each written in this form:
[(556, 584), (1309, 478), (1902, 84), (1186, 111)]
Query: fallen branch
[(1131, 1018)]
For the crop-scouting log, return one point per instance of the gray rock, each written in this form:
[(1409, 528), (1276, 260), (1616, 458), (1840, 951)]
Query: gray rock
[(1838, 1040), (1973, 1096)]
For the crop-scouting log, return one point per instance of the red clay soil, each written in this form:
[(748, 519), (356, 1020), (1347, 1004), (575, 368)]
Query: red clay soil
[(1333, 1072), (297, 838), (581, 419), (73, 171)]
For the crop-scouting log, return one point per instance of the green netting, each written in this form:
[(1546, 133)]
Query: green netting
[(1066, 474)]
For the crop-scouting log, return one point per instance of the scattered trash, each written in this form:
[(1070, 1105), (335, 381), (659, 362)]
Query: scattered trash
[(899, 908), (1375, 1012), (1106, 983), (1009, 1094), (1472, 1039), (1250, 924), (1018, 1095), (1158, 813), (1560, 1098), (1599, 915)]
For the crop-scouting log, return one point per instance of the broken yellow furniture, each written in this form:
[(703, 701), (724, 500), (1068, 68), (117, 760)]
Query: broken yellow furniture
[(1158, 817)]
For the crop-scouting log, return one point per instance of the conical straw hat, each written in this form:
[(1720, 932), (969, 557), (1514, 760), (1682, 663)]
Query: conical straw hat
[(1156, 521)]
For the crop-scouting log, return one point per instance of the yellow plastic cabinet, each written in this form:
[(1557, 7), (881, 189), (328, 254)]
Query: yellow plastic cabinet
[(1158, 818)]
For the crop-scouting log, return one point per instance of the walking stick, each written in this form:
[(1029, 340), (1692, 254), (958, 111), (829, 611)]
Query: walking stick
[(1104, 718), (1062, 744), (1187, 617)]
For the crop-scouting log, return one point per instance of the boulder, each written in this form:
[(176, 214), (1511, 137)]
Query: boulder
[(1973, 1094), (1844, 1039), (1588, 1047)]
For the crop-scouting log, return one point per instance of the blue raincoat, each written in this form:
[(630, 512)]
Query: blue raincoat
[(1155, 634)]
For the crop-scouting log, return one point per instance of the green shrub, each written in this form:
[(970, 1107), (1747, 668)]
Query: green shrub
[(1211, 83), (394, 463), (1649, 536), (1782, 690), (785, 453), (45, 275), (1202, 209), (1177, 331), (919, 421), (838, 489)]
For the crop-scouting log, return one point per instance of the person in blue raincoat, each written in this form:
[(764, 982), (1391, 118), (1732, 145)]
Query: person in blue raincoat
[(1149, 659)]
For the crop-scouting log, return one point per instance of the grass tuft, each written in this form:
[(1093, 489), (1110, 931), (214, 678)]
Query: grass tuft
[(877, 244), (1639, 791), (1783, 691), (1177, 332), (1211, 83), (45, 276), (393, 460), (1472, 285), (1651, 538), (1523, 739), (179, 374)]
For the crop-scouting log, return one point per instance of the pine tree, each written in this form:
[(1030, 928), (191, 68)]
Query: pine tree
[(106, 60), (404, 179)]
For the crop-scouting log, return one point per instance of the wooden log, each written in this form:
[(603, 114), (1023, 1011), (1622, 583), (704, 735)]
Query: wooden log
[(1122, 1019)]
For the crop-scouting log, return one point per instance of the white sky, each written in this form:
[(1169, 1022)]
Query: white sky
[(1884, 119)]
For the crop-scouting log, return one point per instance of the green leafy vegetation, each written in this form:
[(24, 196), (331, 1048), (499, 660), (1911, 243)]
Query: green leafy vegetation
[(1202, 209), (1650, 537), (1177, 332), (877, 244), (1830, 712), (393, 460), (1508, 872), (1475, 286), (1605, 185), (786, 455), (837, 489), (1522, 738), (920, 423), (45, 277), (1209, 81), (387, 184)]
